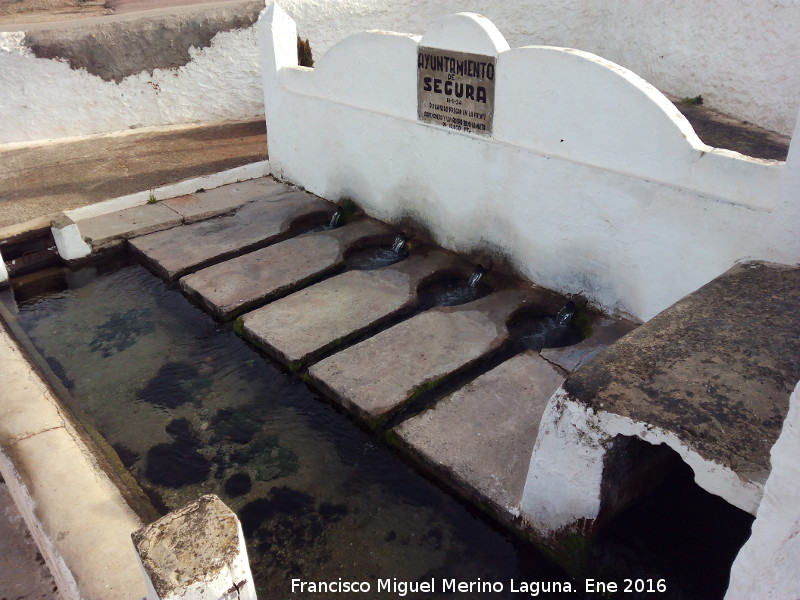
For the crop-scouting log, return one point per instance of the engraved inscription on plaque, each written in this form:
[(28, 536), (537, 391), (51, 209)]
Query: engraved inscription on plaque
[(456, 89)]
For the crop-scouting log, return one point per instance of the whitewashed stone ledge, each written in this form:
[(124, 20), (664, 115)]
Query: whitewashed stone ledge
[(3, 273), (197, 552)]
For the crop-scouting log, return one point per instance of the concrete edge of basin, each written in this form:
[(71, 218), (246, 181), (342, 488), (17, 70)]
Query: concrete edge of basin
[(58, 478)]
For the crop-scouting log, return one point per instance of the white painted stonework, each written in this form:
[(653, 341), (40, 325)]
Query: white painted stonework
[(45, 99), (3, 272), (767, 566), (69, 243), (566, 468), (592, 182), (197, 552), (741, 55), (180, 188)]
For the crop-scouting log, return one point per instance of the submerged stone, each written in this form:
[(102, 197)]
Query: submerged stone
[(173, 385), (127, 456), (184, 434), (282, 501), (121, 331), (234, 425), (267, 458), (174, 465), (238, 484)]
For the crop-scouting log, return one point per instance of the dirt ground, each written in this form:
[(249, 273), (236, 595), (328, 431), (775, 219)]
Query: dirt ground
[(38, 11), (39, 180)]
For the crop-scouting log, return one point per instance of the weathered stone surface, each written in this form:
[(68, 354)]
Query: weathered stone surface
[(299, 327), (375, 378), (197, 551), (224, 199), (605, 331), (716, 368), (239, 284), (55, 496), (480, 437), (106, 229), (261, 222)]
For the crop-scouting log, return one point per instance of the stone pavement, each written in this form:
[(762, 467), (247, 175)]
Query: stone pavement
[(24, 575)]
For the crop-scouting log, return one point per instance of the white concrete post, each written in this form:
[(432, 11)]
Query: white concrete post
[(68, 239), (3, 272), (766, 567), (197, 552)]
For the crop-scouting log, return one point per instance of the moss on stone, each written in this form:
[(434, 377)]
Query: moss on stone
[(238, 327)]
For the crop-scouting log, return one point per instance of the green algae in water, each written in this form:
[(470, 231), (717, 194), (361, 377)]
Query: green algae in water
[(120, 331)]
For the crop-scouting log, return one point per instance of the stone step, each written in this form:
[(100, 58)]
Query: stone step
[(175, 252), (224, 199), (240, 284), (115, 227), (298, 328), (479, 439), (377, 377)]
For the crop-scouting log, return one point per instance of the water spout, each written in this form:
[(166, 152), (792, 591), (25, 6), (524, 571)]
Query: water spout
[(399, 243), (564, 316), (476, 276), (335, 218)]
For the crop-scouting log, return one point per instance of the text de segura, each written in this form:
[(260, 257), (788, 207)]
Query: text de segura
[(430, 586)]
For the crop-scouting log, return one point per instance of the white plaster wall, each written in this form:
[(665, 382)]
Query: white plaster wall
[(566, 469), (766, 567), (630, 209), (46, 99), (741, 55)]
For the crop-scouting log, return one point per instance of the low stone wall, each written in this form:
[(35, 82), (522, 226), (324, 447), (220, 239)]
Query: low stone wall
[(203, 66)]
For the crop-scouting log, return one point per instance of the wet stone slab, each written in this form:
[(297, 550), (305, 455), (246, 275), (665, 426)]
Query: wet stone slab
[(105, 230), (716, 368), (605, 331), (180, 250), (239, 284), (297, 328), (377, 377), (480, 438), (224, 199)]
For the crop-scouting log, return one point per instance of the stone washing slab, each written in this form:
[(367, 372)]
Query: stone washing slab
[(300, 327), (207, 204), (240, 284), (180, 250), (480, 438), (715, 369), (377, 377), (112, 228), (605, 331)]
